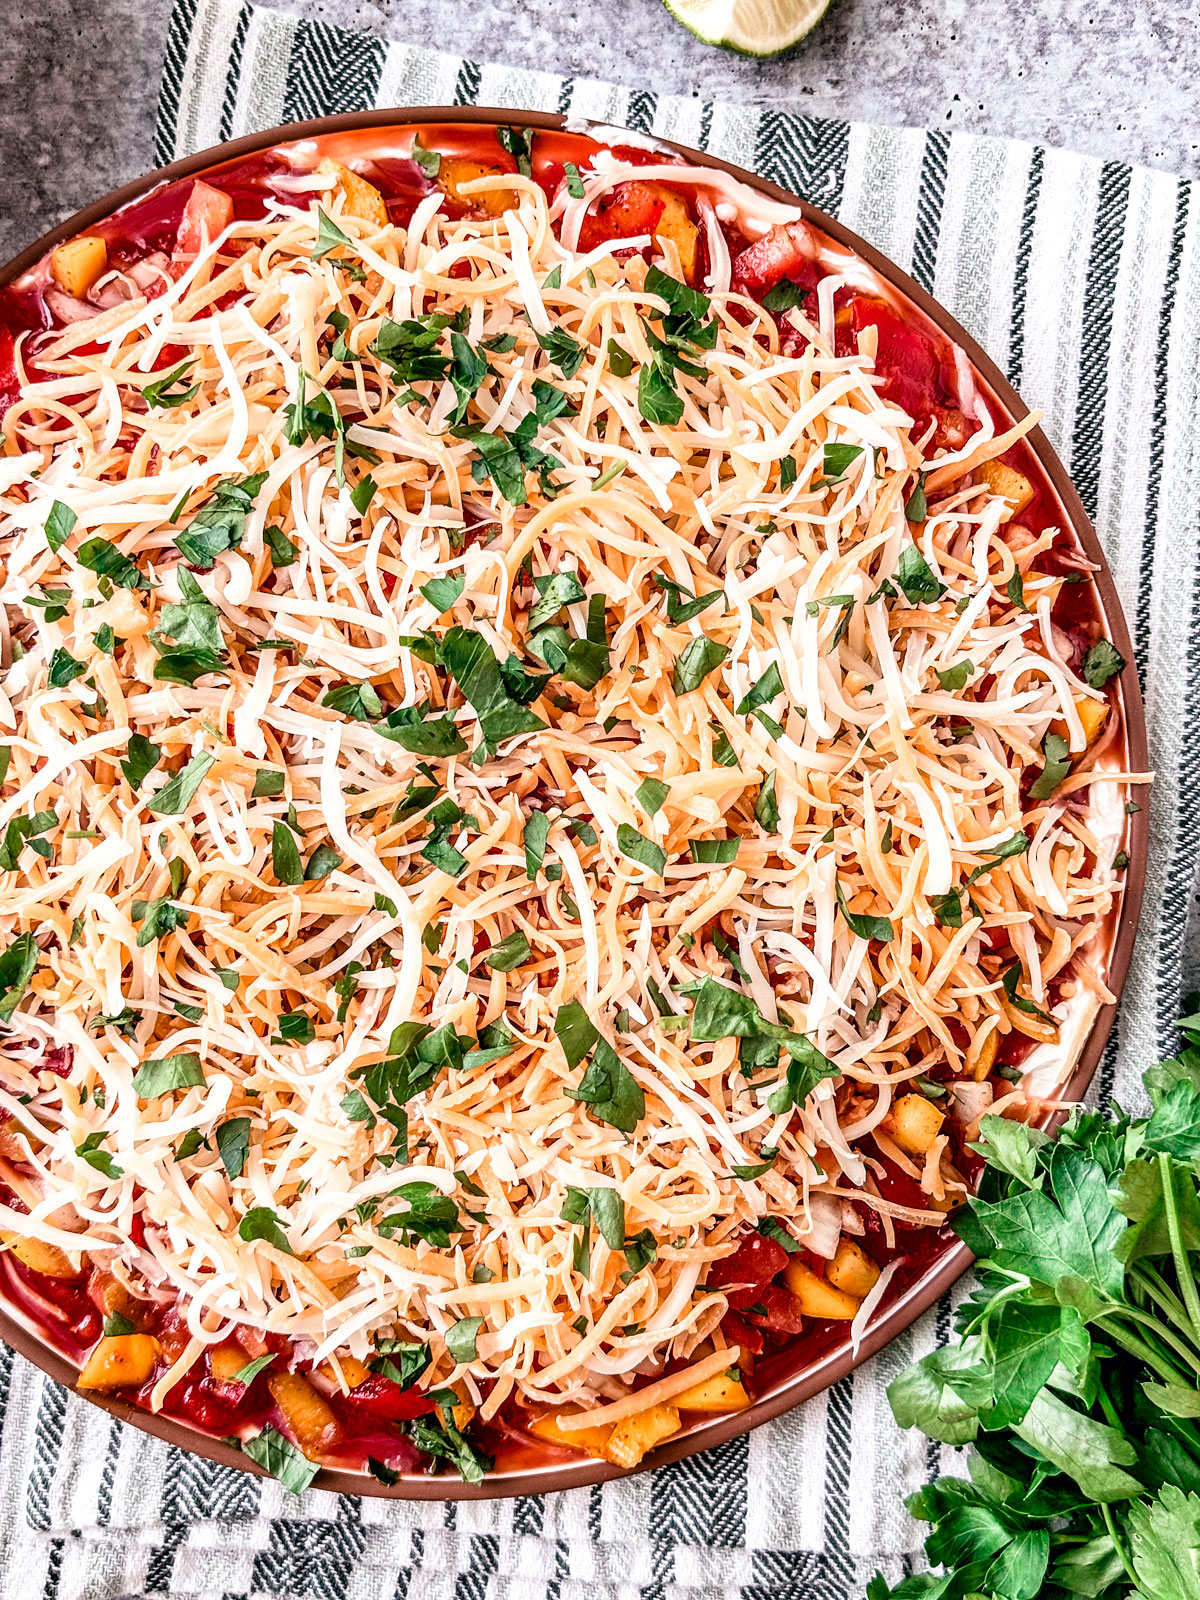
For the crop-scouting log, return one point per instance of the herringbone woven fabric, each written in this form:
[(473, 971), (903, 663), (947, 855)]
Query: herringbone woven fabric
[(1082, 279)]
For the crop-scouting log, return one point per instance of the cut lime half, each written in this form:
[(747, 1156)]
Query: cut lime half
[(752, 27)]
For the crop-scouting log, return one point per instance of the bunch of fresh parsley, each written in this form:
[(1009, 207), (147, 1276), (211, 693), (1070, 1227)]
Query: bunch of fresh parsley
[(1077, 1379)]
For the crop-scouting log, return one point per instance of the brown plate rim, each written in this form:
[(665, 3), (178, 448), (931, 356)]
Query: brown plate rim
[(928, 1289)]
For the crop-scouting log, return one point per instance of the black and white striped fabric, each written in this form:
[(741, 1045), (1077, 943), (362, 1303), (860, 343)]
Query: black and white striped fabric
[(1083, 280)]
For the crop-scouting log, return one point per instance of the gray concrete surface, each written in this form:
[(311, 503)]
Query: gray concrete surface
[(1115, 78)]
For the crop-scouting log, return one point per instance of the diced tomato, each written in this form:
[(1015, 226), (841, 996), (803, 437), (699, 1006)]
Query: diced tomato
[(623, 213), (754, 1263), (782, 252), (208, 212), (213, 1405), (918, 373), (740, 1333), (780, 1315), (379, 1397)]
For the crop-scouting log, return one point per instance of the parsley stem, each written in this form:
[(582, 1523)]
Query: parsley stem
[(1153, 1285), (1110, 1524), (1173, 1343), (1138, 1347), (1183, 1267), (1106, 1406)]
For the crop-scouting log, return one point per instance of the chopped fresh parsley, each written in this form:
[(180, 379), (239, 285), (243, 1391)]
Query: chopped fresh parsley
[(176, 795), (699, 657), (1102, 662), (866, 927), (637, 847), (159, 393), (278, 1455), (916, 578), (509, 954), (1056, 755), (165, 1073)]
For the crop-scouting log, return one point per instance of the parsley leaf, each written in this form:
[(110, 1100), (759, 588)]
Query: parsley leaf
[(220, 524), (1056, 754), (16, 968), (280, 1457), (439, 1437), (329, 236), (533, 839), (638, 848), (866, 927), (651, 795), (96, 1158), (280, 548), (59, 522), (356, 700), (285, 855), (574, 1031), (429, 161), (955, 677), (158, 393), (837, 459), (443, 592), (461, 1337), (176, 795), (609, 1090), (469, 660), (714, 852), (699, 657), (916, 578), (233, 1146), (566, 352), (267, 784), (1102, 662), (555, 592), (103, 558), (766, 806), (763, 692), (142, 759), (64, 668), (260, 1222), (518, 143), (509, 954), (1015, 845), (165, 1073), (194, 624)]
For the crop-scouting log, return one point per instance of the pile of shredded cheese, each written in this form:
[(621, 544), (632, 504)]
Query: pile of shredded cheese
[(737, 795)]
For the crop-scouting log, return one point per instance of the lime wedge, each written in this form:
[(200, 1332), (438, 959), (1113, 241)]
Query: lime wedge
[(751, 27)]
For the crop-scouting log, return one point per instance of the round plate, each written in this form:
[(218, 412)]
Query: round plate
[(805, 1377)]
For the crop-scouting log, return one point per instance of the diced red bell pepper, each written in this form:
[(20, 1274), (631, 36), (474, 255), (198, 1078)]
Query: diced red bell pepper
[(754, 1263), (381, 1398)]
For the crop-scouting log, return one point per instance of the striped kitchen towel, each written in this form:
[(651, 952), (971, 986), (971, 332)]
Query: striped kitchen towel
[(1082, 279)]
